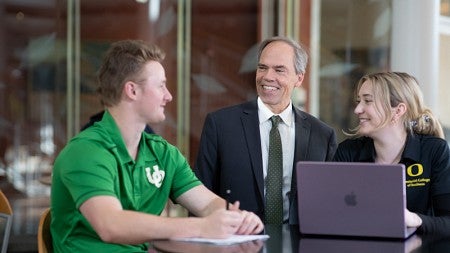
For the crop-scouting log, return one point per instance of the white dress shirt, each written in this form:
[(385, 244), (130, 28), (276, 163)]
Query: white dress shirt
[(287, 133)]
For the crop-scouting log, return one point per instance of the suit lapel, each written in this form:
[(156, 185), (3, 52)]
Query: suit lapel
[(302, 135), (250, 124)]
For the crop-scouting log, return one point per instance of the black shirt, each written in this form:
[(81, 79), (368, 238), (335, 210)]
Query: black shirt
[(427, 162)]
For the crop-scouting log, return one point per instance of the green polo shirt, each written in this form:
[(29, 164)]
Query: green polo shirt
[(96, 163)]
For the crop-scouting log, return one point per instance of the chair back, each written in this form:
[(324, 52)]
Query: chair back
[(5, 222), (45, 244)]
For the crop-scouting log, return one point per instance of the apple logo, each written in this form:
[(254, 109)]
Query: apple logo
[(350, 199)]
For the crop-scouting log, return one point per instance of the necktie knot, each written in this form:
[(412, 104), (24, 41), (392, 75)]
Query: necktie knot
[(275, 120)]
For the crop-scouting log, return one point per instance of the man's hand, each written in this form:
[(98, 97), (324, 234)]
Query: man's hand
[(221, 224), (224, 223), (251, 223)]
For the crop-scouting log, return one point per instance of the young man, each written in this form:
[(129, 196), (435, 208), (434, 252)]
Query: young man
[(112, 181), (234, 146)]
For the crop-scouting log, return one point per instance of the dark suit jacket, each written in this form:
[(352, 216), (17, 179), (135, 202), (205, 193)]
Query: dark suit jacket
[(230, 157)]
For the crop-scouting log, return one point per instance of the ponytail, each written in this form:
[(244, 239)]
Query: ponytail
[(426, 124)]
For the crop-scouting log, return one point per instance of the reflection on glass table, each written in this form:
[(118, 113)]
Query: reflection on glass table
[(287, 239)]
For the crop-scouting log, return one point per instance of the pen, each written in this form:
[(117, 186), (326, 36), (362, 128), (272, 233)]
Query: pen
[(227, 198)]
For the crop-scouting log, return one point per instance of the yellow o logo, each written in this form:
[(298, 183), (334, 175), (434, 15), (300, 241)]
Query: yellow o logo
[(414, 170)]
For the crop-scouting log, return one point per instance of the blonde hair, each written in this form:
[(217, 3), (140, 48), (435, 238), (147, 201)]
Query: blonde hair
[(393, 88), (123, 62)]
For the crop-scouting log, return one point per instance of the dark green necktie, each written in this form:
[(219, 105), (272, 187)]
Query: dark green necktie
[(274, 198)]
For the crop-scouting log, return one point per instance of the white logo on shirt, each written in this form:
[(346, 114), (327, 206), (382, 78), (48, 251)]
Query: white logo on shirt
[(156, 177)]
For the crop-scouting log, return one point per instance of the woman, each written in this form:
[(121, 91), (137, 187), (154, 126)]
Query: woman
[(396, 127)]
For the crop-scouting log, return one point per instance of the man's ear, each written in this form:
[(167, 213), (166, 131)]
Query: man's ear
[(129, 89), (300, 80)]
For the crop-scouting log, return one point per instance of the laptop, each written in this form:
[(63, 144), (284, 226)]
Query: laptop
[(352, 199)]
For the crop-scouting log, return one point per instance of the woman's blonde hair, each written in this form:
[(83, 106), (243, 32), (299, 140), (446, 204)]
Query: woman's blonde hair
[(392, 88)]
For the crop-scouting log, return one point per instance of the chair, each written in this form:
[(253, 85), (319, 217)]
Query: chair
[(5, 222), (45, 244)]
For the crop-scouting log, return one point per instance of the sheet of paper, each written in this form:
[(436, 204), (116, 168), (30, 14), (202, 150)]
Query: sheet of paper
[(227, 241)]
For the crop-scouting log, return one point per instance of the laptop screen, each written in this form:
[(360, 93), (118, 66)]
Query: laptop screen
[(351, 199)]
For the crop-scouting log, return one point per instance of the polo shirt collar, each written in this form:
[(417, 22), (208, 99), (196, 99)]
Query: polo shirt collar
[(116, 140), (412, 148), (411, 152), (367, 151)]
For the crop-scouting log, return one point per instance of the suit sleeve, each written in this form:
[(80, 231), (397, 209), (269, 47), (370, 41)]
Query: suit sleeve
[(206, 163)]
